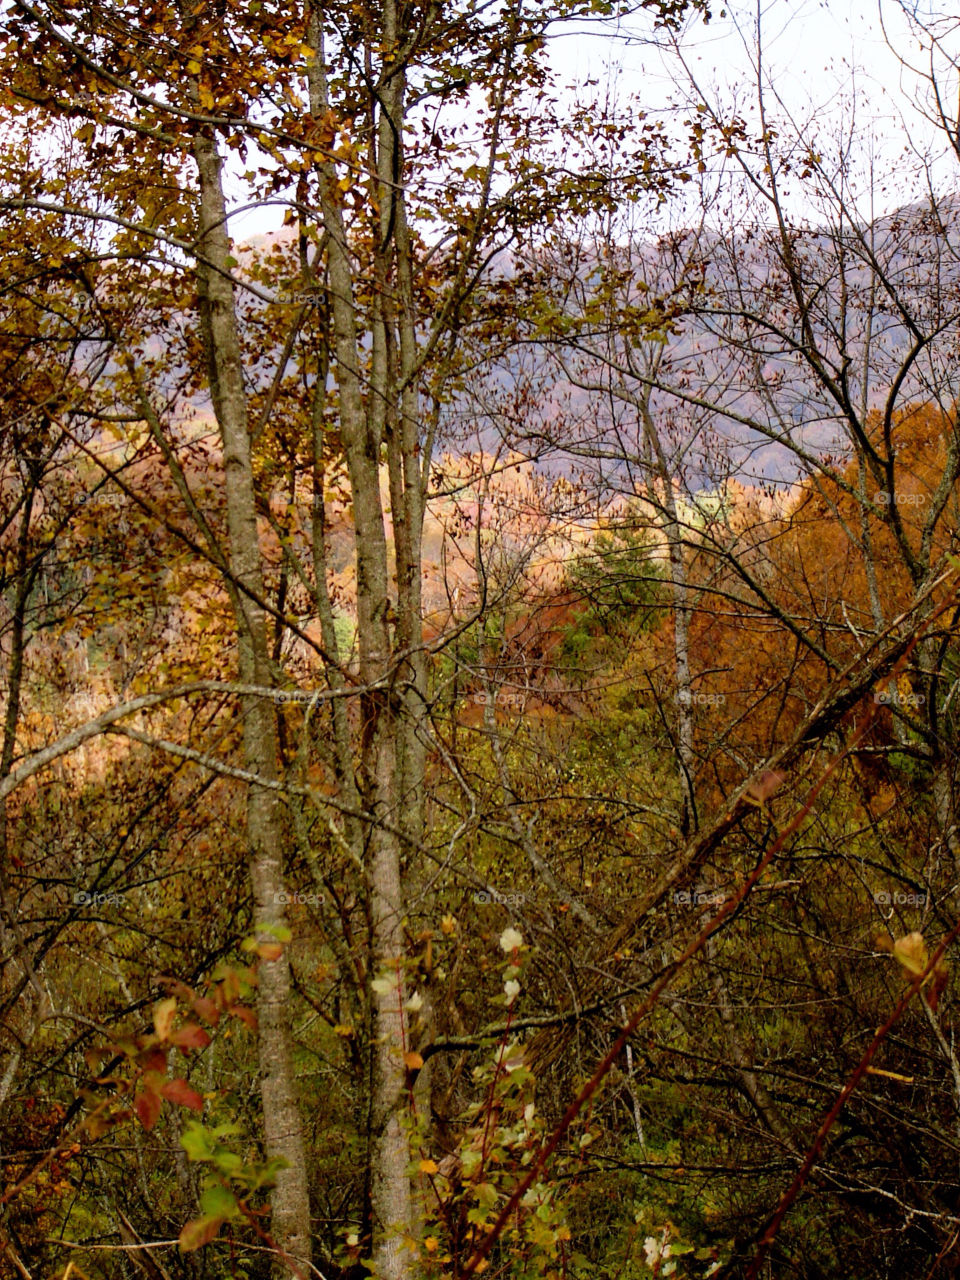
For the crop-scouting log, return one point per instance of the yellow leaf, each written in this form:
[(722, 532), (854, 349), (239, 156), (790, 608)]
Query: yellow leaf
[(193, 67), (428, 1166), (430, 1244), (163, 1017), (911, 951)]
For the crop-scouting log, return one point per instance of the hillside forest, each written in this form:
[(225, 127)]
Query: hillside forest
[(480, 655)]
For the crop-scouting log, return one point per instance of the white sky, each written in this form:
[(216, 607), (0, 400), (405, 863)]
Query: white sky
[(816, 54)]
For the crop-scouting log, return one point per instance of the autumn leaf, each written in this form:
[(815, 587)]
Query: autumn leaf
[(412, 1061), (911, 952), (147, 1105), (427, 1166), (198, 1232), (245, 1014), (95, 1058), (190, 1036), (179, 1091), (768, 784), (163, 1016), (207, 1010), (152, 1059), (269, 950)]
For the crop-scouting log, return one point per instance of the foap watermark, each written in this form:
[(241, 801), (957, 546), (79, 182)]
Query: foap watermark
[(283, 898), (894, 698), (295, 695), (899, 899), (884, 499), (303, 300), (693, 898), (82, 898), (690, 699), (499, 699), (503, 899)]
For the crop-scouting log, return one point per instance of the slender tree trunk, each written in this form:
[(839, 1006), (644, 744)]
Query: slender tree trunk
[(290, 1223), (360, 428), (686, 759)]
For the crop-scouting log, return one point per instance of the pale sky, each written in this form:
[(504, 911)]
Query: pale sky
[(817, 54)]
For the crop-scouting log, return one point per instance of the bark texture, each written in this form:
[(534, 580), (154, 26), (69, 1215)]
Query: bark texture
[(283, 1136)]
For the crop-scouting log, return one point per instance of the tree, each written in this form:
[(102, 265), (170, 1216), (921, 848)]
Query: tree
[(352, 116)]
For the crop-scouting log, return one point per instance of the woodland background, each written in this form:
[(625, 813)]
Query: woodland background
[(479, 748)]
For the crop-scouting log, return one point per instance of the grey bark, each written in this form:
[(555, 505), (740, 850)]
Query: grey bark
[(290, 1203)]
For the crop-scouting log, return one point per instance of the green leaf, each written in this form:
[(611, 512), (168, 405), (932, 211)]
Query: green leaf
[(197, 1142), (218, 1201), (487, 1195), (228, 1162)]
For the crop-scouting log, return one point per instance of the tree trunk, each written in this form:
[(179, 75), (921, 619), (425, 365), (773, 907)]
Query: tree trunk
[(391, 1191), (281, 1117)]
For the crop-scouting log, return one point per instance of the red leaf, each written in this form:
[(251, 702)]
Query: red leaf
[(179, 1091), (245, 1014), (147, 1106), (190, 1036), (153, 1059), (207, 1010), (199, 1232)]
